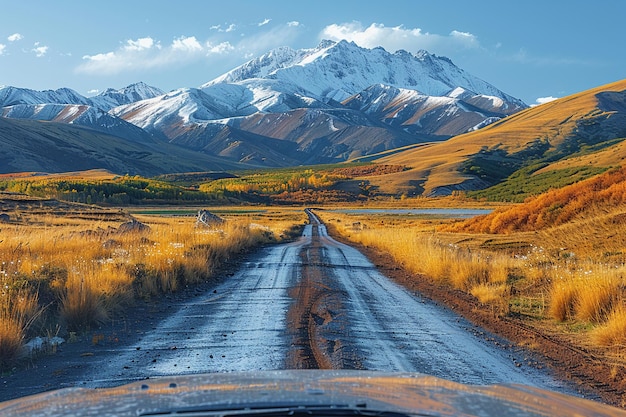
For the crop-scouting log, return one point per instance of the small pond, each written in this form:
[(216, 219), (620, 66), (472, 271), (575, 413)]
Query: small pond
[(454, 213)]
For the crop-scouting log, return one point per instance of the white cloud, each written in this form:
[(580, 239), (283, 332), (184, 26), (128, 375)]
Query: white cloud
[(147, 53), (2, 47), (93, 92), (15, 37), (543, 100), (465, 38), (220, 48), (293, 23), (229, 28), (187, 44), (399, 37), (264, 22), (101, 57), (140, 44), (39, 50)]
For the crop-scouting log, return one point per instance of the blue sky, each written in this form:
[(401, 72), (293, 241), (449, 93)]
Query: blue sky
[(532, 49)]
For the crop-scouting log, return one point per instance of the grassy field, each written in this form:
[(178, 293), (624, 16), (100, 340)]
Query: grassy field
[(66, 267)]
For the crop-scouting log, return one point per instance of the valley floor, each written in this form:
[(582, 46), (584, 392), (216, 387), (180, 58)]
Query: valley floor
[(526, 349)]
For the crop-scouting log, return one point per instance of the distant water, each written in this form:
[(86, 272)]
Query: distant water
[(435, 212)]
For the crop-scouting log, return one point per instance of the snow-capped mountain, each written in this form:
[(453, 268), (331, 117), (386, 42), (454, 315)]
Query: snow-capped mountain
[(215, 104), (130, 94), (10, 96), (329, 103), (314, 97), (338, 70), (418, 113), (67, 106)]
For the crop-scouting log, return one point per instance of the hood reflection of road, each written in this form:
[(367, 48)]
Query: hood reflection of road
[(315, 303)]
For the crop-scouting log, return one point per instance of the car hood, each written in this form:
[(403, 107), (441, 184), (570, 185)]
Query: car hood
[(303, 393)]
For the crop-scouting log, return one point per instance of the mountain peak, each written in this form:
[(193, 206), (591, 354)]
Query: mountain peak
[(111, 98), (338, 70), (325, 43)]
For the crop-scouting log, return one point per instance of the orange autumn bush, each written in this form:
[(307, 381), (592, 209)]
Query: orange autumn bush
[(553, 208)]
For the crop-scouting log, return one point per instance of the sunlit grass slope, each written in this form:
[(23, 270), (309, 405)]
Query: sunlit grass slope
[(574, 126)]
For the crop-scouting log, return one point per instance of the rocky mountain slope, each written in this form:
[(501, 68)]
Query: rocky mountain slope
[(31, 145)]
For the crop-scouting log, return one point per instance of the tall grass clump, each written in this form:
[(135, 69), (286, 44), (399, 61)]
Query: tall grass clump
[(18, 310), (586, 295), (94, 290), (613, 331)]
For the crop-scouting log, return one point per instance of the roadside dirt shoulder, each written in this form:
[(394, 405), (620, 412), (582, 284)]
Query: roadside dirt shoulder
[(588, 369)]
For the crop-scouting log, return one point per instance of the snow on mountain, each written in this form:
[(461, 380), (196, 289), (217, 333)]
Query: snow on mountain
[(458, 111), (67, 106), (182, 106), (63, 113), (215, 104), (337, 70), (130, 94), (10, 96), (266, 95), (80, 115)]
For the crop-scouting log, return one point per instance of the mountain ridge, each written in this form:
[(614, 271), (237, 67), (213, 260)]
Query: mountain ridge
[(319, 101), (285, 80), (427, 73)]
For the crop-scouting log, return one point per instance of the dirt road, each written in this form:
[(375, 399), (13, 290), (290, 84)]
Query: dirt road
[(312, 303)]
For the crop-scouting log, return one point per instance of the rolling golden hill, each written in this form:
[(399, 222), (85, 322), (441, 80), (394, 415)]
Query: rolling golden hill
[(578, 130)]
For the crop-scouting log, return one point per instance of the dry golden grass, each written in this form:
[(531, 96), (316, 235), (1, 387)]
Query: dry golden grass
[(414, 246), (19, 308), (494, 295), (613, 331), (574, 273), (588, 293), (87, 271)]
